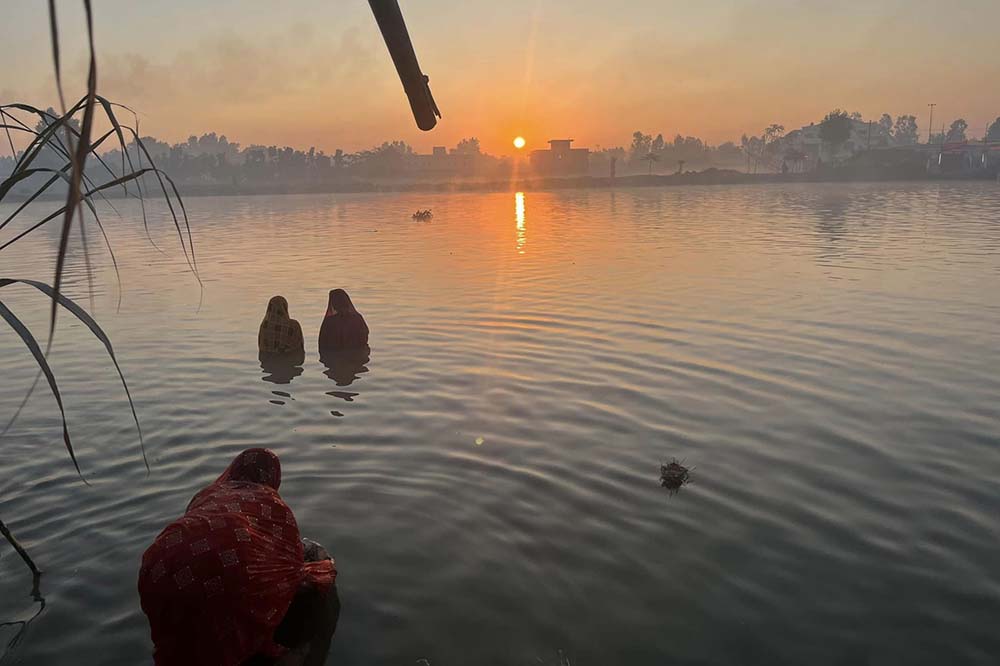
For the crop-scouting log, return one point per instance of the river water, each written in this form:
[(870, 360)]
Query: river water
[(825, 357)]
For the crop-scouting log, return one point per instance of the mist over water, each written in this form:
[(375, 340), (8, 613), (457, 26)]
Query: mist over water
[(488, 479)]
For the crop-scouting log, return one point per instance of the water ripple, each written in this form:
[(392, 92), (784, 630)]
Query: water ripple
[(822, 355)]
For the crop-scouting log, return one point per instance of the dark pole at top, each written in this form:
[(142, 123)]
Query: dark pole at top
[(415, 82)]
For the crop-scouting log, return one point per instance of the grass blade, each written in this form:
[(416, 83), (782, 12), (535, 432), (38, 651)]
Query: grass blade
[(36, 351), (79, 164), (49, 218), (19, 548), (24, 401), (7, 128), (54, 32), (98, 333)]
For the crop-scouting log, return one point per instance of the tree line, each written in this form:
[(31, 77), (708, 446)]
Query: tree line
[(211, 159)]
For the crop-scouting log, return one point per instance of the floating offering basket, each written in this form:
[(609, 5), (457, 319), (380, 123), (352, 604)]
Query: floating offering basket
[(673, 475), (423, 215)]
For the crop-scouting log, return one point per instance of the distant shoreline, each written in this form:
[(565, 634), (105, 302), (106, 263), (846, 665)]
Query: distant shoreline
[(711, 176)]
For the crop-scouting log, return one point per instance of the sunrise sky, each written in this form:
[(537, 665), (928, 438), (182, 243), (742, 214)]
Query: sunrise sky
[(316, 73)]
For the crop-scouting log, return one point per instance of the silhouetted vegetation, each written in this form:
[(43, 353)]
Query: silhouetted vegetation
[(993, 133), (835, 129), (213, 160), (957, 130), (646, 150), (904, 132), (212, 163)]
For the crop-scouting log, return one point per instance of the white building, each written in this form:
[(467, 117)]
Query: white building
[(807, 141)]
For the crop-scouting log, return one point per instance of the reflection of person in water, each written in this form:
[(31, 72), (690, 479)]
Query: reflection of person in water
[(279, 333), (343, 327), (344, 366), (281, 368), (230, 580)]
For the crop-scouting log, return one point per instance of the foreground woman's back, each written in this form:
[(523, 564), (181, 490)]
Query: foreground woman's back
[(216, 583)]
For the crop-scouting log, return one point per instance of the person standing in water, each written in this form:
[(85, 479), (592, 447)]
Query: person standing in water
[(279, 333), (343, 327)]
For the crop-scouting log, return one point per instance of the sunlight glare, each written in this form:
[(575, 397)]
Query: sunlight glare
[(519, 142), (519, 217)]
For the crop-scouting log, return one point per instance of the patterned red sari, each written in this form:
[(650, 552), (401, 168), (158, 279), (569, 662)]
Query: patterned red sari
[(218, 580)]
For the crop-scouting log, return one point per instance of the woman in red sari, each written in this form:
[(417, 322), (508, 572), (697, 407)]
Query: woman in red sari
[(217, 582)]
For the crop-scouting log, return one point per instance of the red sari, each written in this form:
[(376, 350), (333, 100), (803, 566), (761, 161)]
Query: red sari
[(218, 580)]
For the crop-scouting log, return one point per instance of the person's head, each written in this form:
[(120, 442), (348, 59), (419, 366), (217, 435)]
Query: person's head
[(277, 307), (340, 302), (254, 466)]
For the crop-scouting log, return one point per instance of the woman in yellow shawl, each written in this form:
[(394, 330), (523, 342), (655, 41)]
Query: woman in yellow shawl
[(279, 333)]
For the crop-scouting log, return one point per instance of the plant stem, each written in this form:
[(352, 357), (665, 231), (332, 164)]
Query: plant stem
[(20, 549)]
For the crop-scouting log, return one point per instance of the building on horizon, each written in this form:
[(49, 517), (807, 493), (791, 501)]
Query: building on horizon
[(561, 159), (442, 162), (863, 135)]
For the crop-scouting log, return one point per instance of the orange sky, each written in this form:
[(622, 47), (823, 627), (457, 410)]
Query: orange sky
[(317, 74)]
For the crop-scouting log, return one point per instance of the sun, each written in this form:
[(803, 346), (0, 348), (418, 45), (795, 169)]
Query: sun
[(519, 142)]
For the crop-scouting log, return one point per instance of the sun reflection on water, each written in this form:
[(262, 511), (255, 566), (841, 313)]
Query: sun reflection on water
[(519, 217)]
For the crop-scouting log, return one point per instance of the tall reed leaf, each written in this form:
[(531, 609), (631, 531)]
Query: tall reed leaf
[(36, 351), (67, 138), (97, 332)]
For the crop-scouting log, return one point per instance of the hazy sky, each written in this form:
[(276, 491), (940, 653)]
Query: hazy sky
[(316, 73)]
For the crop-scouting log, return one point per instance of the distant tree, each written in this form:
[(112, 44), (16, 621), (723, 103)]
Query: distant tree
[(651, 158), (957, 130), (55, 115), (49, 155), (745, 148), (605, 160), (753, 146), (468, 146), (885, 122), (856, 116), (835, 129), (773, 133), (658, 144), (393, 148), (390, 158), (689, 147), (728, 148), (641, 145), (727, 153), (904, 132), (993, 133)]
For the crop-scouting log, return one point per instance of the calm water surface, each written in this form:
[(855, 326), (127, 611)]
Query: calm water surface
[(826, 356)]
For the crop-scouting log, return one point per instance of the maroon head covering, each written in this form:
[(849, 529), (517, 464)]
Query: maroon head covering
[(343, 326), (218, 580)]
